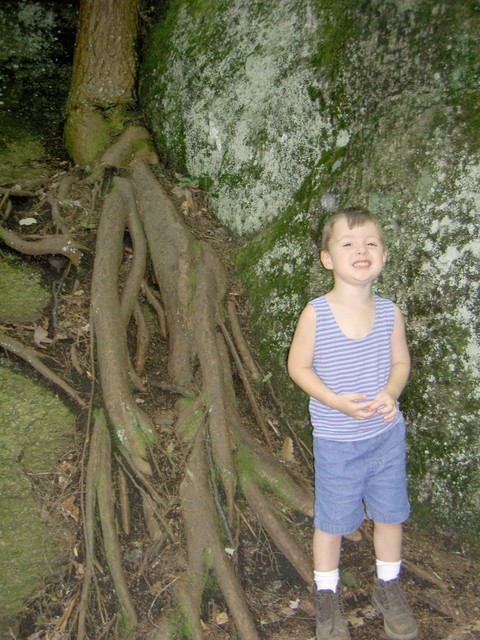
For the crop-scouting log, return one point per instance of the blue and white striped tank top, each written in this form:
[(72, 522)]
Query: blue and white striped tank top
[(348, 365)]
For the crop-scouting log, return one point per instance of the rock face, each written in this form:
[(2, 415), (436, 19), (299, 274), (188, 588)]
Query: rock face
[(282, 109)]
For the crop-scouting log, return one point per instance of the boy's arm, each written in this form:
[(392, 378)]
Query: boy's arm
[(300, 359), (387, 398)]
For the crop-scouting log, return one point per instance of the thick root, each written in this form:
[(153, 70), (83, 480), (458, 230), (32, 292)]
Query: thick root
[(106, 500), (205, 547), (282, 539), (132, 427), (172, 253), (58, 244), (192, 281)]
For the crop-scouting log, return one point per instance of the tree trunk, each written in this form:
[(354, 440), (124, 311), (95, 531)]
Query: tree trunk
[(103, 76)]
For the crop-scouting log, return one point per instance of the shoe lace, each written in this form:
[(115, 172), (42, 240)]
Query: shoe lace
[(392, 595), (329, 605)]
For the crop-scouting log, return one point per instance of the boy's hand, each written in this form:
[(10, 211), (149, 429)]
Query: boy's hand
[(354, 405), (385, 403)]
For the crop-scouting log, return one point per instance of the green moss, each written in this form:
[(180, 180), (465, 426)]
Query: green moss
[(180, 627), (250, 469), (22, 156), (36, 427), (22, 296), (189, 428)]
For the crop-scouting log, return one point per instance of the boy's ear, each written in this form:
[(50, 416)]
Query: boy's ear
[(385, 254), (326, 260)]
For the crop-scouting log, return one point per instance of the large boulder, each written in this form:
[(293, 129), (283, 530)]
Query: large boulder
[(286, 110)]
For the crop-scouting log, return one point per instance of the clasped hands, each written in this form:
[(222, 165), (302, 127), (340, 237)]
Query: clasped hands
[(356, 406)]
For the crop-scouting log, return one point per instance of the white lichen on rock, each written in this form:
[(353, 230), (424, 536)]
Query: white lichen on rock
[(245, 112)]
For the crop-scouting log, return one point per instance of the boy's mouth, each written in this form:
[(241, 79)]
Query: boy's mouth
[(361, 264)]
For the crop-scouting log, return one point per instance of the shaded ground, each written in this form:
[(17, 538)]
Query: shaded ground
[(441, 583)]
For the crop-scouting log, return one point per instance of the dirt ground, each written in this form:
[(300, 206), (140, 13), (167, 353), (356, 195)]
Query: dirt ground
[(442, 584)]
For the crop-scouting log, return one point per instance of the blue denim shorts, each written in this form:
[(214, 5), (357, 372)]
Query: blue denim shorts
[(357, 478)]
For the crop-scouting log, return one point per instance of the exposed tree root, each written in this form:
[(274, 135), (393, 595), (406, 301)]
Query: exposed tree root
[(133, 428), (58, 244), (241, 343), (106, 499), (222, 459), (206, 551), (33, 358)]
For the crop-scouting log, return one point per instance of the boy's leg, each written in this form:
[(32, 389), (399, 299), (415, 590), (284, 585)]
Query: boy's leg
[(388, 597), (328, 606), (326, 550)]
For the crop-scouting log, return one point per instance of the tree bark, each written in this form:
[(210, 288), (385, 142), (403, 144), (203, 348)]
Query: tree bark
[(103, 75)]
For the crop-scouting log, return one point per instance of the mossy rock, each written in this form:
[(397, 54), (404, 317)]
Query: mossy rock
[(23, 298), (35, 428)]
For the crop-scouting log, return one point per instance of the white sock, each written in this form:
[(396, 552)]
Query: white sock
[(387, 571), (326, 580)]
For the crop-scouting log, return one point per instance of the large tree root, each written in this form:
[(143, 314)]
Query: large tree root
[(225, 462), (192, 282), (58, 244), (132, 427), (207, 552)]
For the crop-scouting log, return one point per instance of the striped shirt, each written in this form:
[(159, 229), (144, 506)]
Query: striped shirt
[(348, 365)]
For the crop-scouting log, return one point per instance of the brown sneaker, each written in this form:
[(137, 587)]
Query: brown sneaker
[(329, 613), (398, 619)]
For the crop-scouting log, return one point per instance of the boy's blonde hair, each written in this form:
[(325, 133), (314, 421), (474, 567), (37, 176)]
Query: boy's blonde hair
[(355, 217)]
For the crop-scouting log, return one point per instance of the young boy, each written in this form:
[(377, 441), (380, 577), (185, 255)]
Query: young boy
[(350, 355)]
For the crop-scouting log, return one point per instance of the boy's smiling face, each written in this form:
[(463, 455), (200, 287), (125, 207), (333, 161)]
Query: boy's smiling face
[(355, 255)]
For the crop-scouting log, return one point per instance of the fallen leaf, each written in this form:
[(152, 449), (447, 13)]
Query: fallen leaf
[(348, 579), (40, 335), (26, 222), (222, 618), (70, 508), (356, 536), (287, 450)]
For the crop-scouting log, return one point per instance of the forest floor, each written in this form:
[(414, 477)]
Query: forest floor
[(441, 582)]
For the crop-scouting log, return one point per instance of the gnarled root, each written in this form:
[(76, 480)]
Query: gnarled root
[(206, 551), (132, 427), (57, 244)]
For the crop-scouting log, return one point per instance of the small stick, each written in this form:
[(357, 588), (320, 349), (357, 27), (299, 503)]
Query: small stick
[(241, 343), (246, 384)]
